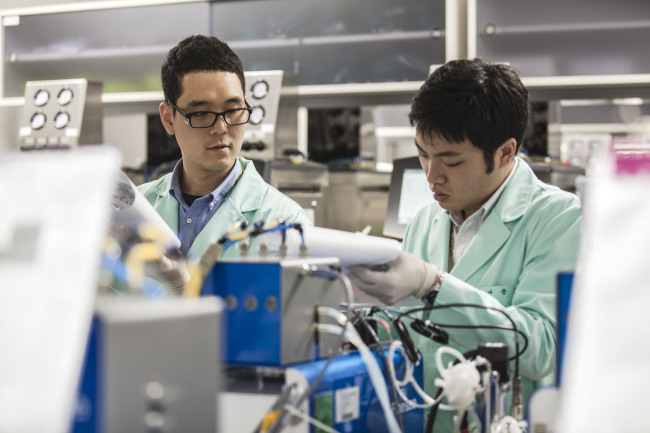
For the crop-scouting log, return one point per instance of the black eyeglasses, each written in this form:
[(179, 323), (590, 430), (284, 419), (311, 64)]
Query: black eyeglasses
[(205, 119)]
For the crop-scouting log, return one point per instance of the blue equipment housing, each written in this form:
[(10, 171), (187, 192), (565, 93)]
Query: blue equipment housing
[(345, 397), (270, 309)]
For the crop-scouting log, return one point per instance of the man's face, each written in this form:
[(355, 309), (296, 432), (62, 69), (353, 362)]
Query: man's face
[(456, 172), (207, 152)]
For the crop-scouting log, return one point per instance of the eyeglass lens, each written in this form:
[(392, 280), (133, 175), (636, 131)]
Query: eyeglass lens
[(207, 119)]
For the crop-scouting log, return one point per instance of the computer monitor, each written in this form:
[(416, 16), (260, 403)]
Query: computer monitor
[(408, 192)]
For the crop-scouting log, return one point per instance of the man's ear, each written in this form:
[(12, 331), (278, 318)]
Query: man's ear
[(166, 114), (507, 152)]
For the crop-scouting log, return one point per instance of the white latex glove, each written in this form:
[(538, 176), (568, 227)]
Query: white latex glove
[(407, 275)]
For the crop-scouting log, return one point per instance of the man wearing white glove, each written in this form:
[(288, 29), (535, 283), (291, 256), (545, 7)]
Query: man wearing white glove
[(495, 235)]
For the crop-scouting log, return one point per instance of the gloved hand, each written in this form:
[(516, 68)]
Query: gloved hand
[(407, 275)]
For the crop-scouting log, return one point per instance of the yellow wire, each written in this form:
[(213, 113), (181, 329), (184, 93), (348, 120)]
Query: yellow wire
[(150, 231), (237, 225), (269, 419), (238, 236), (193, 286), (199, 270), (135, 259)]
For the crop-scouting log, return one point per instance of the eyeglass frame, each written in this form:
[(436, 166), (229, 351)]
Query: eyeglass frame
[(188, 116)]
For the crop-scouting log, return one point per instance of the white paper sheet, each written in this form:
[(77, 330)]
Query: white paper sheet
[(131, 208), (350, 248), (55, 209)]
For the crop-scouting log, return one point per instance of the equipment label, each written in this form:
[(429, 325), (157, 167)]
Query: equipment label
[(347, 404)]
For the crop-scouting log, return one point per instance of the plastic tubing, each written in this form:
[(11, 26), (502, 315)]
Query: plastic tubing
[(445, 371), (376, 377), (408, 378)]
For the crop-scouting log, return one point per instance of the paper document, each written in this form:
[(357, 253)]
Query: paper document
[(55, 212)]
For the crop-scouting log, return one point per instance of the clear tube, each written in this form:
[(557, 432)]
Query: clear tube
[(460, 381), (408, 378), (374, 372)]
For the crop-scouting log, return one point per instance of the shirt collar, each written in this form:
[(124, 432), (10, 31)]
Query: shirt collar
[(175, 185), (219, 192), (229, 182), (484, 211)]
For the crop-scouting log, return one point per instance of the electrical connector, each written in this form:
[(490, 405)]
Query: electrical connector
[(497, 354)]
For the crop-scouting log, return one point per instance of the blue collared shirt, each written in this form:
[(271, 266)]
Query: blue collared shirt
[(192, 219)]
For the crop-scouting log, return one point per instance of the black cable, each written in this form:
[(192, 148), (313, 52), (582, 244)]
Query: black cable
[(393, 385), (281, 420), (407, 343), (371, 331), (430, 330), (408, 346), (418, 323), (278, 403), (459, 305), (513, 357), (375, 309), (464, 424), (428, 326), (431, 419)]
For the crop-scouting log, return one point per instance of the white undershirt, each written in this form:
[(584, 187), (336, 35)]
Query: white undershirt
[(466, 229)]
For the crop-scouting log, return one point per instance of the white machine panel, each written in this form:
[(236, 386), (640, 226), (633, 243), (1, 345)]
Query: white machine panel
[(61, 114), (274, 119)]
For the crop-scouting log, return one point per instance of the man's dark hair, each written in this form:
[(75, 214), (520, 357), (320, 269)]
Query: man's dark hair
[(476, 100), (197, 53)]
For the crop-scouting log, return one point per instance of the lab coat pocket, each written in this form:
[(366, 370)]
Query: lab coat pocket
[(502, 293)]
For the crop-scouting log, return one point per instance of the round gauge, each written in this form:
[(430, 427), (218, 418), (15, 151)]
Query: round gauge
[(257, 115), (61, 120), (37, 121), (41, 97), (65, 96), (260, 89)]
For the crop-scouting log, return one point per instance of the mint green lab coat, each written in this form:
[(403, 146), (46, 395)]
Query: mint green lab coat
[(531, 234), (252, 199)]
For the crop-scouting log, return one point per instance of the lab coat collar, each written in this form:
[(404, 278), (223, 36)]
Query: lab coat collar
[(165, 204), (517, 196), (249, 199), (245, 198), (493, 234)]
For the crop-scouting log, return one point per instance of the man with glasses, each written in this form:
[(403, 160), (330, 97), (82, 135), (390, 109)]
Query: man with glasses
[(211, 187)]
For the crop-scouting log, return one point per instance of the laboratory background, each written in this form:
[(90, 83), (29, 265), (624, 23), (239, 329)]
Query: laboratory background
[(267, 345)]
